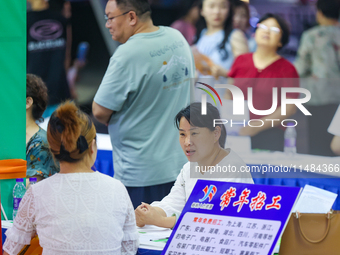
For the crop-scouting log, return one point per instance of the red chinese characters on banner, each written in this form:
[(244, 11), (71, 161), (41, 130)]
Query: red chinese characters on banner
[(275, 203), (226, 197), (207, 221), (242, 199), (258, 202)]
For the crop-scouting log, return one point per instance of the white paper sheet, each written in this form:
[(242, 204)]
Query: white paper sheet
[(44, 124), (104, 142), (6, 224), (149, 236), (315, 200)]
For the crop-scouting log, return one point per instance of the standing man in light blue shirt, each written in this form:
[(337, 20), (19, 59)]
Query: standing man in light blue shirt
[(146, 84)]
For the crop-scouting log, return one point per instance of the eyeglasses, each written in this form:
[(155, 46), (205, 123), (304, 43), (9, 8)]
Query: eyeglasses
[(275, 30), (109, 20)]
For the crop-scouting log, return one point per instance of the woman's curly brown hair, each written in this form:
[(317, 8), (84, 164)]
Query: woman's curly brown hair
[(37, 90)]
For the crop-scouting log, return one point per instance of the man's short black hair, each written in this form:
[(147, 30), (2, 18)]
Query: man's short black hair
[(329, 8), (283, 25), (140, 7)]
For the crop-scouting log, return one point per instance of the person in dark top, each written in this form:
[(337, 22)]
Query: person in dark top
[(46, 51)]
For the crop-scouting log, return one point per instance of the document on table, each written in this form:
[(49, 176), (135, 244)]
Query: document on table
[(6, 223), (104, 142), (153, 238), (315, 200)]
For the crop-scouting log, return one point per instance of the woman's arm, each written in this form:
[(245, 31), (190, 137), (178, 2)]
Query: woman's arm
[(252, 131), (335, 145), (23, 229), (218, 71), (303, 61), (227, 95), (130, 241), (160, 213), (152, 215), (239, 43)]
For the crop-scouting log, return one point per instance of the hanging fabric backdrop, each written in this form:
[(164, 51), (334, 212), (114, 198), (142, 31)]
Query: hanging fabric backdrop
[(13, 90)]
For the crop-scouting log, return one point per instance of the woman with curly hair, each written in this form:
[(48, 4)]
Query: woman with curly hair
[(40, 163)]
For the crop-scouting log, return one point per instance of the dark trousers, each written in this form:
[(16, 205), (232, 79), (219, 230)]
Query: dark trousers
[(149, 194)]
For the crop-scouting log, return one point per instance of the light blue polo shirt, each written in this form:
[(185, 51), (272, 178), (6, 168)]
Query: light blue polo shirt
[(147, 83)]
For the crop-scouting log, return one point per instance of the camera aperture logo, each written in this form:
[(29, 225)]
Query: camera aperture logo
[(213, 90), (239, 102)]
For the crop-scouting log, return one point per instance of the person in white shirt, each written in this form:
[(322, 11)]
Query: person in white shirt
[(203, 144), (334, 129), (77, 211)]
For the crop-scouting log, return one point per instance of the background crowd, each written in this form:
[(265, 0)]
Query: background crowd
[(148, 84), (314, 53)]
